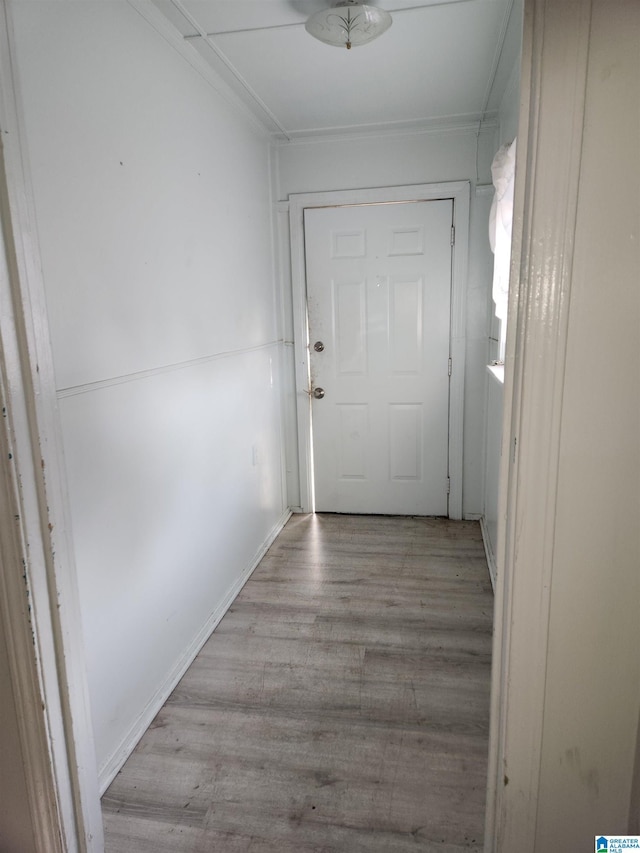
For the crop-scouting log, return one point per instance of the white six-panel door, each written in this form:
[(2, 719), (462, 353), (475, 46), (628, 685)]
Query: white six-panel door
[(379, 306)]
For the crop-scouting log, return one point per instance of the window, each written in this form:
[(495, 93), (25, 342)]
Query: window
[(500, 224)]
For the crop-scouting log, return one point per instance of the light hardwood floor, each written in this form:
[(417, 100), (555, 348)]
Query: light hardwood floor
[(341, 706)]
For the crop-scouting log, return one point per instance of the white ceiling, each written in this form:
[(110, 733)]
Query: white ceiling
[(442, 62)]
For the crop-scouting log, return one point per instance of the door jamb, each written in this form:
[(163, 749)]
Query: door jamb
[(553, 87), (459, 193)]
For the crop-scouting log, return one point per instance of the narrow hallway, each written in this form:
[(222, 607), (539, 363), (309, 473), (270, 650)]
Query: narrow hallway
[(342, 704)]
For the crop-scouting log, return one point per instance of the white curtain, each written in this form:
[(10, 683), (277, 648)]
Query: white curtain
[(503, 171)]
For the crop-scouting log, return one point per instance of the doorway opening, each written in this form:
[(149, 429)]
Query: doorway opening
[(347, 298)]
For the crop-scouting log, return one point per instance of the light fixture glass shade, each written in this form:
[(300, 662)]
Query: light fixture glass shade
[(348, 24)]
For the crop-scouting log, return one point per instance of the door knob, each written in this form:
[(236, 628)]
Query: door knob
[(318, 393), (318, 346)]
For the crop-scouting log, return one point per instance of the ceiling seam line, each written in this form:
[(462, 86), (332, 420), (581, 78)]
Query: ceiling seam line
[(179, 6), (302, 23)]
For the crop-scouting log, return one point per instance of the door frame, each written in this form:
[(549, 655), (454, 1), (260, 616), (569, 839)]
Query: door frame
[(43, 630), (459, 193), (555, 55)]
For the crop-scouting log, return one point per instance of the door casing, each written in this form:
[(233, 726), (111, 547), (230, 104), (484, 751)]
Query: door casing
[(459, 193)]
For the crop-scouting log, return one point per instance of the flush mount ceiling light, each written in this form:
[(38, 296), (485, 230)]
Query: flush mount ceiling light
[(348, 24)]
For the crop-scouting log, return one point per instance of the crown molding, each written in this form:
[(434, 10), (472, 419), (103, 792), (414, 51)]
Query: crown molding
[(169, 32), (475, 122)]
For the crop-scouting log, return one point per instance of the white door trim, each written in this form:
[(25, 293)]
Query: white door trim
[(47, 672), (554, 74), (459, 192)]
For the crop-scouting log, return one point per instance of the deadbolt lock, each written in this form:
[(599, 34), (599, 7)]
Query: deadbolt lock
[(318, 346)]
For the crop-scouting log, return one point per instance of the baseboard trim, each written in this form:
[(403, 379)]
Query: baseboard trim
[(113, 765), (488, 550)]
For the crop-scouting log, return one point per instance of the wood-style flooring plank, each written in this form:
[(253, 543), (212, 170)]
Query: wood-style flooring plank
[(341, 704)]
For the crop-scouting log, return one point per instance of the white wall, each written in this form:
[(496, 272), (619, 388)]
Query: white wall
[(508, 116), (153, 205), (509, 111), (492, 459), (394, 160)]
